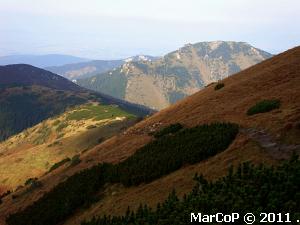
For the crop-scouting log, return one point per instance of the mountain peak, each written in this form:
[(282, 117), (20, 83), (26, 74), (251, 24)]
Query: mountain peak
[(161, 82)]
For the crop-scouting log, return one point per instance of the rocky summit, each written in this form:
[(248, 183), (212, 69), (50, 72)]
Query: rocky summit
[(163, 81)]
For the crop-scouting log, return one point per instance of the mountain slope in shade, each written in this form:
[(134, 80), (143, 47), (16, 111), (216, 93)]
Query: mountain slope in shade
[(263, 138), (24, 75), (29, 95), (85, 69), (41, 60), (164, 81), (82, 70)]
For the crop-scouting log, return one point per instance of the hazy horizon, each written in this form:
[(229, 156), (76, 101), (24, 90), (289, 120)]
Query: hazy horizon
[(118, 29)]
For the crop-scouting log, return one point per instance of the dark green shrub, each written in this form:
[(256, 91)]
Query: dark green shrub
[(219, 86), (58, 164), (171, 129), (33, 183), (75, 160), (54, 144), (170, 152), (5, 194), (30, 181), (36, 184), (14, 196), (264, 106), (100, 140)]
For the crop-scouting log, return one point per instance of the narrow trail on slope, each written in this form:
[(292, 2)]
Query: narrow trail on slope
[(277, 150)]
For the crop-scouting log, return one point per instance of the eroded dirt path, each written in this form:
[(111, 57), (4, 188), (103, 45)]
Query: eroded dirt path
[(276, 149)]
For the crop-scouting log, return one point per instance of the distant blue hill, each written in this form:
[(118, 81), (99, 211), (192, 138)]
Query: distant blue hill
[(41, 60)]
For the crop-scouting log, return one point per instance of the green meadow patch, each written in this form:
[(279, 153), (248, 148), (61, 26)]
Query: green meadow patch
[(98, 112)]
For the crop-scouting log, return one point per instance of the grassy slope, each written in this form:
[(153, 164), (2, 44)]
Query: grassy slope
[(277, 78), (36, 149)]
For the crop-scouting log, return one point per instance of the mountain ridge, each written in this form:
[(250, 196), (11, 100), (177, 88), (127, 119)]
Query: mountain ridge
[(84, 69), (178, 74), (90, 68), (25, 74)]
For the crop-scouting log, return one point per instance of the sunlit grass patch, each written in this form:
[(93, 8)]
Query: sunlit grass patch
[(98, 112)]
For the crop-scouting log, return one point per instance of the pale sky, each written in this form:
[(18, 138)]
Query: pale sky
[(106, 29)]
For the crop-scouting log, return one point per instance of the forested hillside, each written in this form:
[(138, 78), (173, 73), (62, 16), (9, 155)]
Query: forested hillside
[(25, 106), (29, 95), (246, 189)]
